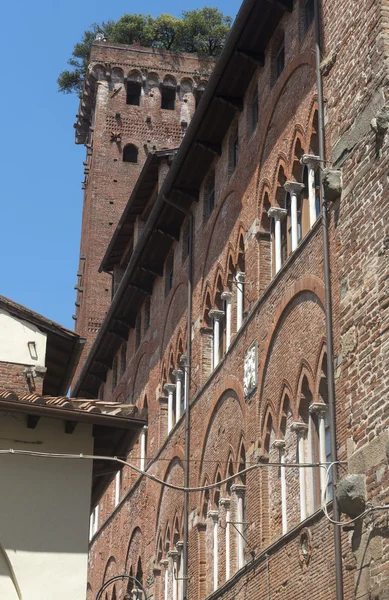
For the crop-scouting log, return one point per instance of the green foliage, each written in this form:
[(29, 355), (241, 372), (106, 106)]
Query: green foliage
[(201, 31)]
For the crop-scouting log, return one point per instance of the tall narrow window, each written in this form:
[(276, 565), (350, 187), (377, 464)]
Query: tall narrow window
[(254, 111), (280, 58), (185, 239), (114, 373), (130, 153), (169, 272), (209, 195), (309, 14), (168, 98), (235, 156), (133, 93), (138, 330), (123, 358), (147, 314)]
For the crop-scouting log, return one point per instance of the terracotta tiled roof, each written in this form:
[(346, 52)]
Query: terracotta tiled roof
[(75, 405)]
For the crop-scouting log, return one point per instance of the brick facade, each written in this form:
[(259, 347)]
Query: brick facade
[(287, 543)]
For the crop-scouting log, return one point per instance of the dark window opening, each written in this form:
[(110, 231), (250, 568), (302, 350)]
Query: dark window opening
[(168, 98), (130, 153), (254, 111), (235, 152), (123, 358), (169, 272), (280, 59), (309, 14), (185, 239), (114, 373), (147, 313), (133, 93), (138, 331)]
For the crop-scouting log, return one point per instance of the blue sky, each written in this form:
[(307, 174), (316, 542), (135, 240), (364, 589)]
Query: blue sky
[(40, 164)]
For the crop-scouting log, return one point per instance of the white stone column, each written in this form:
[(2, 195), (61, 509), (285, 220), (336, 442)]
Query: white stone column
[(313, 163), (280, 444), (294, 190), (169, 389), (165, 564), (214, 515), (180, 550), (301, 430), (240, 490), (226, 502), (278, 214), (179, 375), (185, 364), (216, 315), (118, 479), (320, 408), (143, 437), (173, 556), (239, 278), (227, 297)]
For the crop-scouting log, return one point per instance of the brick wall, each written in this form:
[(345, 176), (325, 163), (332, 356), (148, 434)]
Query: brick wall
[(14, 377)]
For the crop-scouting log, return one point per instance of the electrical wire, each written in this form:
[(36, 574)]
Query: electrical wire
[(327, 466)]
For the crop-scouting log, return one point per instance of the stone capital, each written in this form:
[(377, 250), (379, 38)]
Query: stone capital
[(238, 489), (213, 514), (226, 502), (293, 187), (216, 314), (240, 277), (169, 388), (184, 360), (310, 160), (180, 546), (145, 428), (299, 427), (227, 296), (277, 213), (178, 374), (164, 563), (173, 554), (319, 408), (280, 444)]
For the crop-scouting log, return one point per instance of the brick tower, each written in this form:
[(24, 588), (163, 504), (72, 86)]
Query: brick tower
[(135, 100)]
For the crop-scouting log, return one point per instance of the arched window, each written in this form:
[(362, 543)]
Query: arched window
[(130, 153), (134, 90), (280, 58)]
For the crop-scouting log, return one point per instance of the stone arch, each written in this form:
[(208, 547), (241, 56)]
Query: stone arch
[(306, 375), (175, 309), (232, 198), (98, 71), (134, 550), (278, 196), (110, 569), (297, 150), (134, 76), (169, 81), (269, 421), (117, 74), (138, 372), (170, 501), (304, 296), (225, 425), (286, 392), (186, 85)]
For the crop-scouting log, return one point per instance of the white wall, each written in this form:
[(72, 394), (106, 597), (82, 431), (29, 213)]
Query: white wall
[(44, 511), (14, 337)]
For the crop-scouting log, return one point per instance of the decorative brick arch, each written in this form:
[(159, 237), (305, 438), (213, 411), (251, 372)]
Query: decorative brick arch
[(110, 569), (235, 189), (307, 283), (232, 388), (305, 373), (176, 460), (182, 283), (286, 391), (135, 548), (144, 352)]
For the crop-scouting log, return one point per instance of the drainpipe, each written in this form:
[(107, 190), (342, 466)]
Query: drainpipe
[(328, 312), (187, 405)]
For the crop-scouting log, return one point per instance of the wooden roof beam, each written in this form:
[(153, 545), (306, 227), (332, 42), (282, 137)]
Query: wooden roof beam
[(173, 234), (153, 270), (235, 103), (258, 58), (191, 193), (214, 148)]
